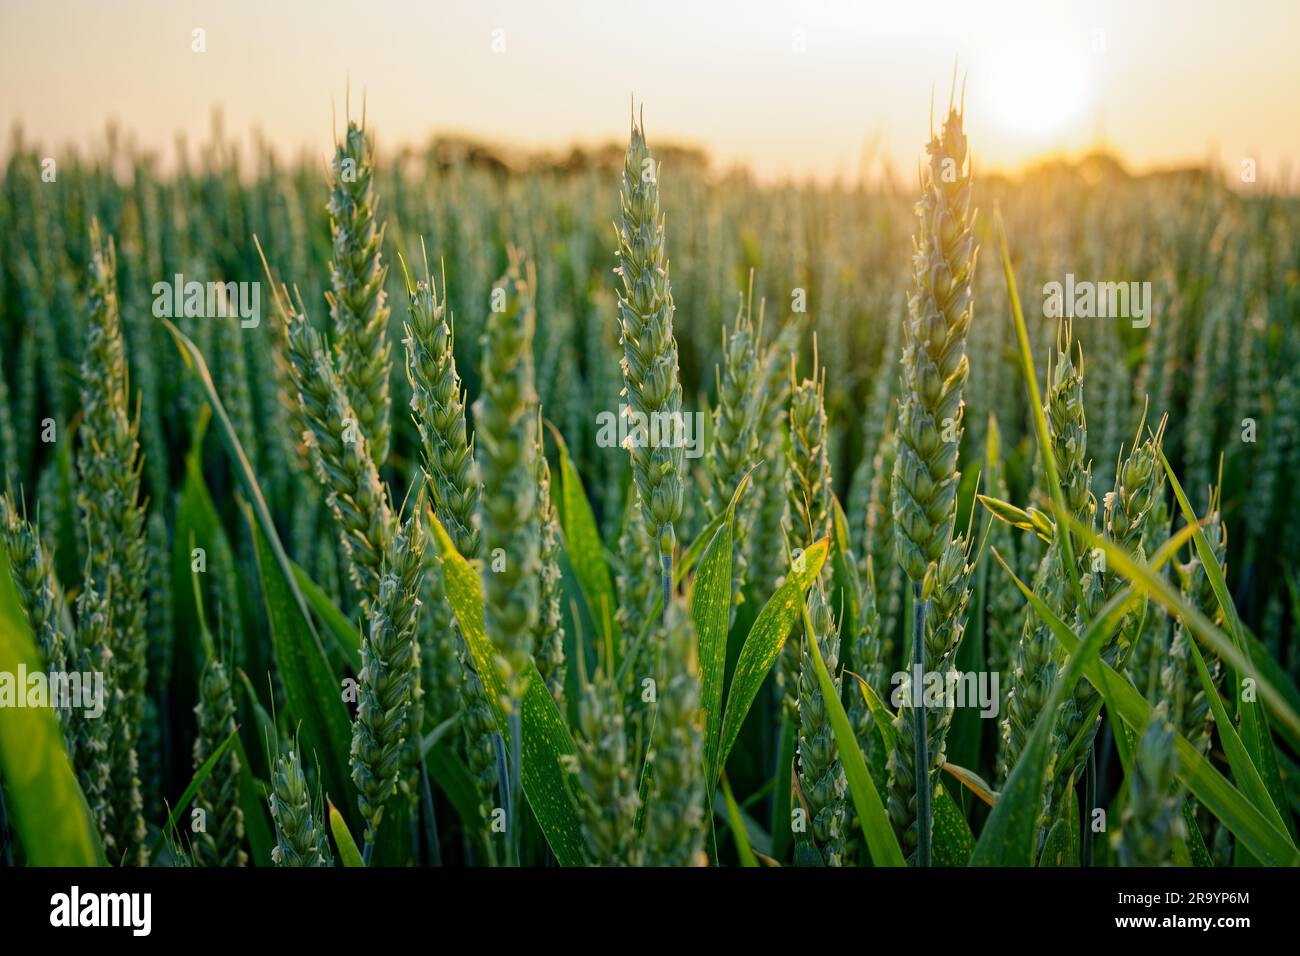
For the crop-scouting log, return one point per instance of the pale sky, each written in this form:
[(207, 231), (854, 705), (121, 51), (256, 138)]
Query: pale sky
[(798, 89)]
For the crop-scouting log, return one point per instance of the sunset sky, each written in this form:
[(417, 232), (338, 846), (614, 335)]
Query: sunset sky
[(802, 89)]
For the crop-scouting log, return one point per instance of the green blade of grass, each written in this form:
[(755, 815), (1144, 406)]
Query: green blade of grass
[(1244, 769), (738, 833), (311, 688), (973, 782), (194, 359), (680, 570), (763, 644), (882, 843), (345, 635), (347, 847), (195, 782), (710, 609), (844, 567), (952, 843), (884, 720), (582, 542)]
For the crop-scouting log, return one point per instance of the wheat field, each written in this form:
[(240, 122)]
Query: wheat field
[(402, 513)]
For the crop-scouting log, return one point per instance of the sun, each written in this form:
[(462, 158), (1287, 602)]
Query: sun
[(1035, 88)]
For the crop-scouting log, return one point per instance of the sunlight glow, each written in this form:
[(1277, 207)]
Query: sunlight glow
[(1037, 89)]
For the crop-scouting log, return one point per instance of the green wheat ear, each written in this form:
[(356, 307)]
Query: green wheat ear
[(95, 739), (934, 364), (735, 447), (674, 825), (506, 425), (450, 682), (32, 569), (113, 519), (1151, 823), (645, 312), (357, 297), (299, 836), (222, 843), (340, 454), (600, 773), (388, 688)]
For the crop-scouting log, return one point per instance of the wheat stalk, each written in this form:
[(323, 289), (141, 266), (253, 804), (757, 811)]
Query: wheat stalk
[(766, 555), (1139, 484), (602, 785), (32, 569), (946, 592), (808, 501), (1194, 718), (438, 409), (935, 367)]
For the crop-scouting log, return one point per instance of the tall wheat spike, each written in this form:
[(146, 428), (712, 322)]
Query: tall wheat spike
[(934, 364), (1193, 711), (645, 310), (506, 427), (808, 501), (356, 297), (1127, 513), (766, 556), (935, 370), (113, 518), (879, 544), (32, 569), (438, 408)]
